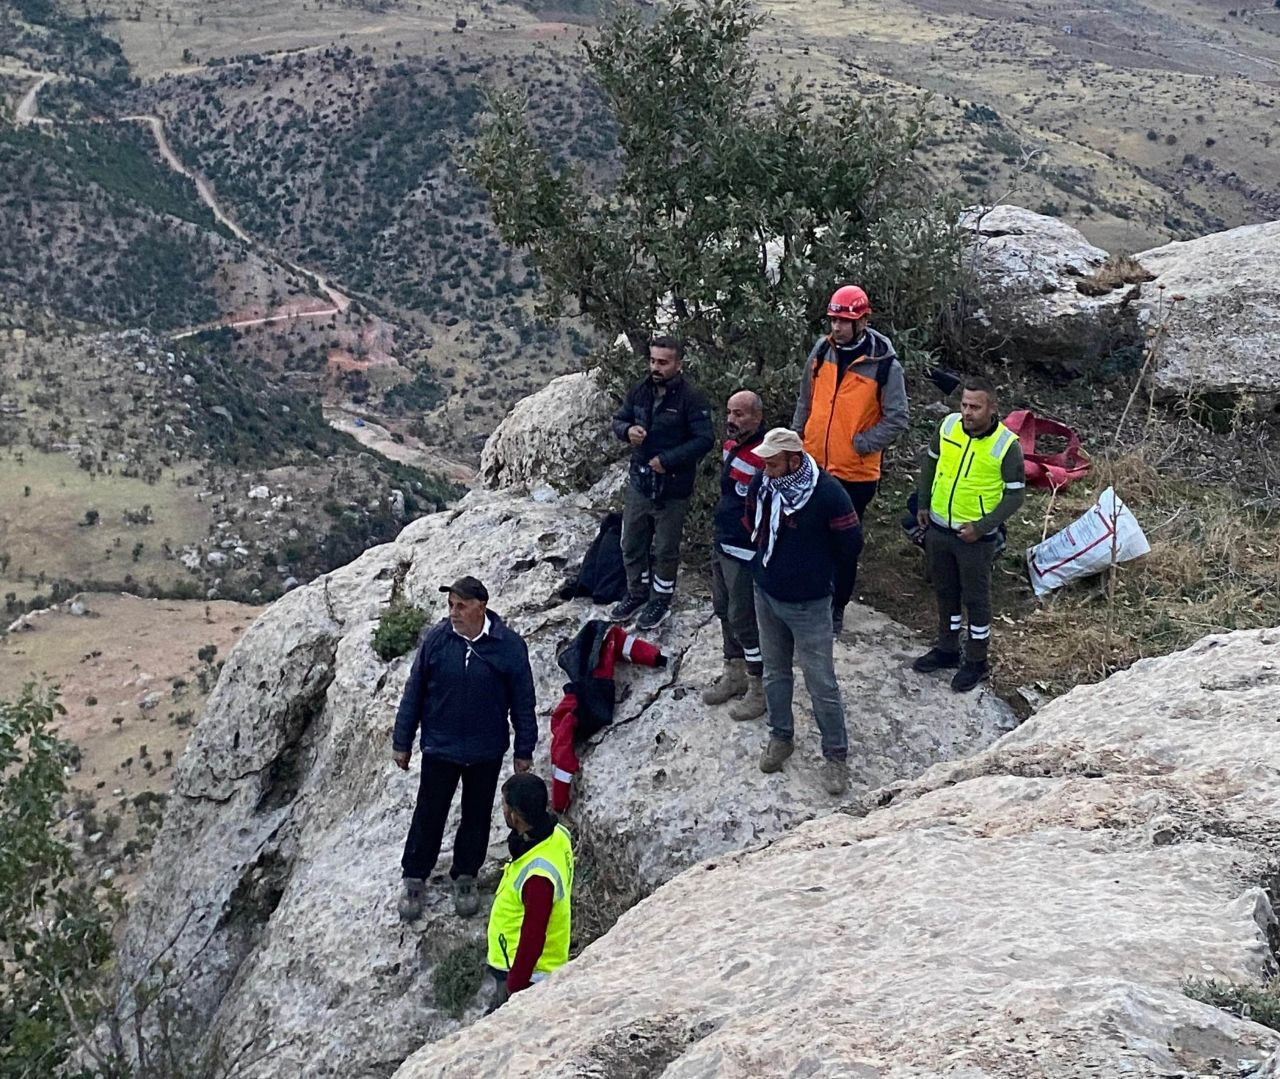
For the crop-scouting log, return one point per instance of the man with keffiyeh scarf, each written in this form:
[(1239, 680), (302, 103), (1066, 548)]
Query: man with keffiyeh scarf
[(803, 526)]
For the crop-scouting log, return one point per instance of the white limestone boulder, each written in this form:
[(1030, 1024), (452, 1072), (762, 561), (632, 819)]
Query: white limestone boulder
[(1034, 910), (1224, 337)]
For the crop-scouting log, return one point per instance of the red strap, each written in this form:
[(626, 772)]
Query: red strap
[(1052, 470)]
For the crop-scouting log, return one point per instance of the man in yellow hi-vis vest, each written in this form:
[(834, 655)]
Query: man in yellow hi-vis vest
[(530, 919), (971, 483)]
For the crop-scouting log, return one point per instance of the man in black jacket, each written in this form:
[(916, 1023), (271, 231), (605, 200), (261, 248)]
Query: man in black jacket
[(667, 421), (471, 673), (803, 528)]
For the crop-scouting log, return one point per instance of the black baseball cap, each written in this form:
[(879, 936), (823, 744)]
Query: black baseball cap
[(467, 588)]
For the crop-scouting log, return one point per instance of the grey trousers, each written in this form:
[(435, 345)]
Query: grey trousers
[(790, 631), (734, 601), (961, 576), (647, 525)]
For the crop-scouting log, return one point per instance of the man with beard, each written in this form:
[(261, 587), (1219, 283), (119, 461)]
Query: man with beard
[(732, 591), (972, 481), (803, 527), (531, 916), (667, 422)]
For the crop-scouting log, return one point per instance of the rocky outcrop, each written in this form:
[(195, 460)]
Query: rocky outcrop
[(1224, 337), (273, 883), (558, 437), (1031, 911), (1028, 269)]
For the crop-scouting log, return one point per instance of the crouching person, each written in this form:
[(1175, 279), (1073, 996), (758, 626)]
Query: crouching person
[(529, 922)]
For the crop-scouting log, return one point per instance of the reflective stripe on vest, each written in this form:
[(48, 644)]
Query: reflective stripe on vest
[(840, 408), (967, 484), (552, 859)]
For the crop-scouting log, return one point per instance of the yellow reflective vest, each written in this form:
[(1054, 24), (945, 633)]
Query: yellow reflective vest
[(553, 859), (967, 483)]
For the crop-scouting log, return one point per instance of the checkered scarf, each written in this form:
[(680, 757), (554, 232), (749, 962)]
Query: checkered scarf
[(786, 494)]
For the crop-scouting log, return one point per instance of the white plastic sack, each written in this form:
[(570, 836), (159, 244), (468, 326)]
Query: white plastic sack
[(1085, 546)]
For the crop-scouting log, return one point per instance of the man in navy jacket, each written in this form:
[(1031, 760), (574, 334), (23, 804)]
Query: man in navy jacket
[(470, 678)]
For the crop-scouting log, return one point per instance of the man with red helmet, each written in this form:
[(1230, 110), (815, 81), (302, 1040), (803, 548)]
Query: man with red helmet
[(851, 407)]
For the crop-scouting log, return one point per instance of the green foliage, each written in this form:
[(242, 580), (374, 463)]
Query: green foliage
[(55, 930), (1259, 1003), (729, 221), (456, 978), (398, 630)]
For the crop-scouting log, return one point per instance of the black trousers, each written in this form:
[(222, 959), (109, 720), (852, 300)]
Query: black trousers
[(961, 575), (860, 494), (435, 795)]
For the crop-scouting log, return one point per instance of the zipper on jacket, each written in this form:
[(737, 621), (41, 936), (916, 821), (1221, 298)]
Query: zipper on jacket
[(951, 498)]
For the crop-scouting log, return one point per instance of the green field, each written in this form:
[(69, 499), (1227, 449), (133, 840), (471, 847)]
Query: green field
[(44, 498)]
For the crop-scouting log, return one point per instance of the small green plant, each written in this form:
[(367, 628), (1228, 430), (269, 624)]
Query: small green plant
[(1259, 1003), (456, 978), (398, 630)]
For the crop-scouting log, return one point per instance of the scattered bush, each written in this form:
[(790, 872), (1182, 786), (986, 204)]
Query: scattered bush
[(1259, 1003), (456, 978), (398, 630)]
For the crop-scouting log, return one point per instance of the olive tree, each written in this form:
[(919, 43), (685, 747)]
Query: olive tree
[(734, 209)]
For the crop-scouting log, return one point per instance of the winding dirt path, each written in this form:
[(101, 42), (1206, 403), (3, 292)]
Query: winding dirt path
[(339, 300)]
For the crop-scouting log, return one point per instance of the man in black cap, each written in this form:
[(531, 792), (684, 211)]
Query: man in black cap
[(470, 684)]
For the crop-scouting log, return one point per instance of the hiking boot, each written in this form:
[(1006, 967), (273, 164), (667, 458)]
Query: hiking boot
[(752, 705), (834, 775), (968, 676), (465, 900), (731, 683), (936, 660), (654, 613), (774, 754), (411, 899), (624, 610)]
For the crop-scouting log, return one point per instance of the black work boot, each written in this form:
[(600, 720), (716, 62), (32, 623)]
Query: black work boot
[(936, 660), (654, 613), (626, 608), (971, 672)]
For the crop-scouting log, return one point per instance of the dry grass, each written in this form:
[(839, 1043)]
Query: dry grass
[(1116, 272), (1214, 567)]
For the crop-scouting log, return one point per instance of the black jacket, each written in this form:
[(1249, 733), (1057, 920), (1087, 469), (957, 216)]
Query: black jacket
[(825, 533), (462, 706), (679, 433)]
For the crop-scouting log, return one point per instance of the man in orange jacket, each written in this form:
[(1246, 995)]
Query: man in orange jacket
[(851, 407)]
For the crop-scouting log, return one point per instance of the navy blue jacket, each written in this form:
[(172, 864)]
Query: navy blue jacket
[(810, 544), (679, 434), (462, 706)]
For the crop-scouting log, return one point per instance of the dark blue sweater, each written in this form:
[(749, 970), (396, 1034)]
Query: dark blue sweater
[(462, 707), (810, 544)]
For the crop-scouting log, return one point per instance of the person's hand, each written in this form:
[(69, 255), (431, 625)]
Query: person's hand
[(656, 464), (636, 434), (521, 764), (968, 533), (922, 518), (401, 759)]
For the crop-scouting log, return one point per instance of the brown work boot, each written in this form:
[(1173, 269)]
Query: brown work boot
[(752, 705), (465, 900), (775, 753), (731, 683), (834, 776)]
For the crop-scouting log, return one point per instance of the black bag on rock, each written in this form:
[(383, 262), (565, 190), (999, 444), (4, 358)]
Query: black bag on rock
[(602, 576)]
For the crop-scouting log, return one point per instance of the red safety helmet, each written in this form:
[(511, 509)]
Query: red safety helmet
[(848, 302)]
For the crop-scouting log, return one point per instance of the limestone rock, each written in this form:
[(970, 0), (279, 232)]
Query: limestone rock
[(1027, 267), (275, 875), (559, 436), (1030, 911), (1225, 337)]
